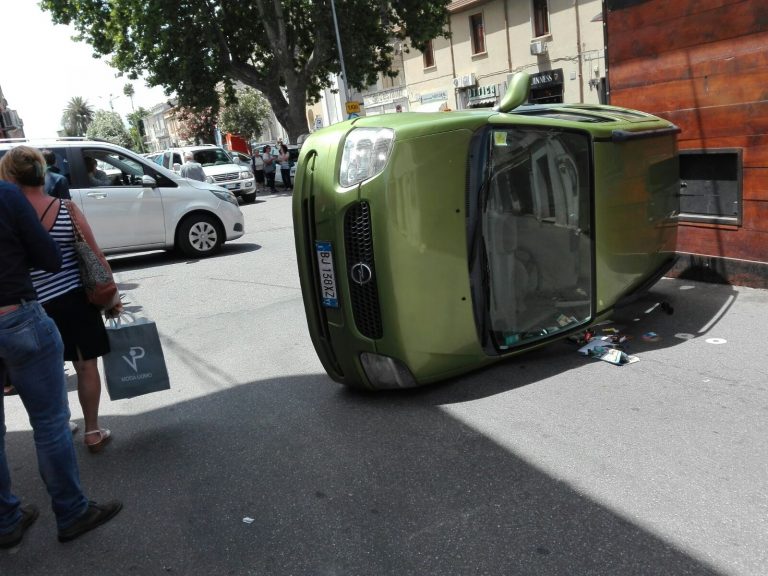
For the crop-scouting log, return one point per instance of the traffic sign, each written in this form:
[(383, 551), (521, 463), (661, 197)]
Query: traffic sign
[(353, 107)]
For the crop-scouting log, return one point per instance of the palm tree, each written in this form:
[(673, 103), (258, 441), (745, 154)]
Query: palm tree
[(77, 116), (129, 91)]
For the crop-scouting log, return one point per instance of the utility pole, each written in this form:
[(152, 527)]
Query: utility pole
[(341, 54)]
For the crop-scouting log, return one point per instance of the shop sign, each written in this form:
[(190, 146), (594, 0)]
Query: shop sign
[(547, 78), (433, 96), (384, 97), (482, 92)]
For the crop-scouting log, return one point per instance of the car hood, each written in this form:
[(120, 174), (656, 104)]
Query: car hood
[(223, 169)]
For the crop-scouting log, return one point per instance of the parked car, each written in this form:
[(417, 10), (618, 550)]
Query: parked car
[(144, 206), (218, 167), (432, 244)]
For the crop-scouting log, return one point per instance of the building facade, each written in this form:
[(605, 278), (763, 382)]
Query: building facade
[(11, 126), (558, 42), (704, 66)]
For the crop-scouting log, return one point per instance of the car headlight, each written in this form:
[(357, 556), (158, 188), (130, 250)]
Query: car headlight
[(209, 179), (224, 195), (386, 372), (245, 174), (366, 151)]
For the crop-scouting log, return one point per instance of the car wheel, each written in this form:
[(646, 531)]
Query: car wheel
[(199, 235), (250, 198)]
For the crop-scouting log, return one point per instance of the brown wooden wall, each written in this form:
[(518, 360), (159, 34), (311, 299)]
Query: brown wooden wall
[(703, 64)]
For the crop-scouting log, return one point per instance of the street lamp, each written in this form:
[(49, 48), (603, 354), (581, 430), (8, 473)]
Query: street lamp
[(341, 54), (110, 100)]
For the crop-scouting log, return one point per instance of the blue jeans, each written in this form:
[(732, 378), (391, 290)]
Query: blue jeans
[(32, 351)]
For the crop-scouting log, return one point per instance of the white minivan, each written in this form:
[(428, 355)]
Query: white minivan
[(137, 205)]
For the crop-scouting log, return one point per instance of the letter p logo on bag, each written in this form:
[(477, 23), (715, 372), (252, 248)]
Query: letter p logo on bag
[(135, 353)]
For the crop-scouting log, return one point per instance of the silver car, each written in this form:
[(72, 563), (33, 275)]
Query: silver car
[(133, 204)]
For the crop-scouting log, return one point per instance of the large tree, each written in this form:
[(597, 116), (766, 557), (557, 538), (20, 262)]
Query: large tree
[(76, 116), (108, 125), (247, 116), (286, 49), (136, 128)]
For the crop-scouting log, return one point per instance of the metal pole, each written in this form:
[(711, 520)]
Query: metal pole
[(341, 54)]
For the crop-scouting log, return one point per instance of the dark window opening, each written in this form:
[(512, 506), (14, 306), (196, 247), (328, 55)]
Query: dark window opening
[(477, 31), (711, 186), (540, 18), (429, 55)]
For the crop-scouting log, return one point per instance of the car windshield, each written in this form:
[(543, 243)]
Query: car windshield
[(536, 234), (212, 157)]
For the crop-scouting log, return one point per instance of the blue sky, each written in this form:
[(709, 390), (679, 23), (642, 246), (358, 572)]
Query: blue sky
[(42, 68)]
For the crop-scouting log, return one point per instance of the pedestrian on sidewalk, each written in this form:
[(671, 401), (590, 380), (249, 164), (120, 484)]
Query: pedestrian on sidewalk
[(191, 169), (269, 168), (284, 158), (31, 351), (63, 297)]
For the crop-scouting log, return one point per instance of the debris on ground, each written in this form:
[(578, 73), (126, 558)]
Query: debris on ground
[(609, 345)]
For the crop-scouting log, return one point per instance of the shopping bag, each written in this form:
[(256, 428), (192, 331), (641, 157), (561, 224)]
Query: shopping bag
[(135, 364)]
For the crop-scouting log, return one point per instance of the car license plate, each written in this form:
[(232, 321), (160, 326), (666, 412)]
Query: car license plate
[(234, 186), (328, 293)]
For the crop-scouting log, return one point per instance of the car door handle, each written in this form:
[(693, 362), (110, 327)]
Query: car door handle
[(96, 194)]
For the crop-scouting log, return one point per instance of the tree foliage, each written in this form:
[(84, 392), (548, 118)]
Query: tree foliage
[(76, 116), (196, 125), (129, 91), (108, 125), (286, 49), (246, 116), (136, 128)]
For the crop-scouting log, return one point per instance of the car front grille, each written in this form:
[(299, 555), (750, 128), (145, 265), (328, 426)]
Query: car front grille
[(363, 291), (226, 177)]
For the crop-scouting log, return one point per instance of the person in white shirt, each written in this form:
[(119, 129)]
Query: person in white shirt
[(191, 169)]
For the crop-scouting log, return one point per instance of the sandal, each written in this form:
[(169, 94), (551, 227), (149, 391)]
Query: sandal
[(9, 390), (104, 437)]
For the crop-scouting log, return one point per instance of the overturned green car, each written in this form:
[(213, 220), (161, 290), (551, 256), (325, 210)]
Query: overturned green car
[(432, 244)]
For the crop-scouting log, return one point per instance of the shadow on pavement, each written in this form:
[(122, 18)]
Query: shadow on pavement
[(335, 483), (141, 260)]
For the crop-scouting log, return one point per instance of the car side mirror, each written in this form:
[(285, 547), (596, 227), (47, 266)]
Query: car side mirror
[(176, 166), (517, 92), (148, 182)]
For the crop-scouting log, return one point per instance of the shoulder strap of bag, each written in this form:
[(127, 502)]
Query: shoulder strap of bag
[(79, 237), (47, 208)]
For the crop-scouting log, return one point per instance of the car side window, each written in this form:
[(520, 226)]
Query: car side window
[(110, 168)]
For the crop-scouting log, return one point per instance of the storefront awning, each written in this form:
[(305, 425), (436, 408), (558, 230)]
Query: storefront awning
[(482, 102), (435, 106)]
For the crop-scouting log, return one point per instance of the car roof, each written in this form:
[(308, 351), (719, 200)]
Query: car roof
[(65, 142)]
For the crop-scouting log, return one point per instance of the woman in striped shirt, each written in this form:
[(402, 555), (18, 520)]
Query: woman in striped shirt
[(62, 295)]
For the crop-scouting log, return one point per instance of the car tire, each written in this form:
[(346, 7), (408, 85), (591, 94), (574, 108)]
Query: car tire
[(250, 198), (199, 235)]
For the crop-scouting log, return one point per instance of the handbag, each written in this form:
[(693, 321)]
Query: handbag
[(95, 273), (135, 364)]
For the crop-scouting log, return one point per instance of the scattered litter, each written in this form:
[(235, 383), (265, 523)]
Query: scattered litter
[(609, 347), (716, 340), (248, 520), (651, 337), (616, 356), (684, 336)]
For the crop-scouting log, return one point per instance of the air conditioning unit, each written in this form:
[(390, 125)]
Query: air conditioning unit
[(468, 80), (457, 82), (538, 47)]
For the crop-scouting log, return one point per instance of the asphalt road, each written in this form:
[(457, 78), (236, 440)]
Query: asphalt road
[(550, 464)]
